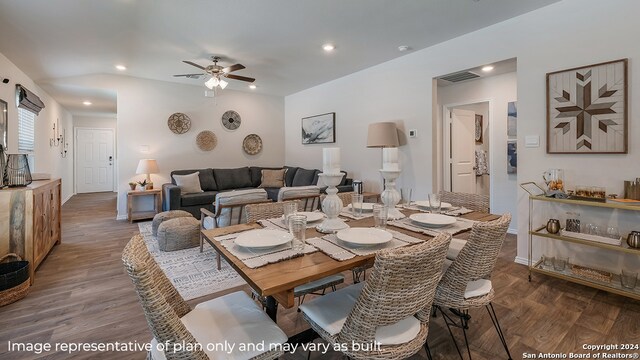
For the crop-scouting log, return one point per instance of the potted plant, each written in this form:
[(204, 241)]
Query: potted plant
[(143, 184), (133, 185)]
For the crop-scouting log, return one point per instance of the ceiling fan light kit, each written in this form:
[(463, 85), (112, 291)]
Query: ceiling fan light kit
[(217, 73)]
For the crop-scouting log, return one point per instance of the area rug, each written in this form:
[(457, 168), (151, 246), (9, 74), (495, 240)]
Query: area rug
[(193, 273)]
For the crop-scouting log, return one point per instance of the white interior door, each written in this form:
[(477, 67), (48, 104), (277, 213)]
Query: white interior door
[(463, 156), (94, 160)]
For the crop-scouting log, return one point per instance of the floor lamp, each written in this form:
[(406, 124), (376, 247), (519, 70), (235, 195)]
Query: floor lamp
[(385, 135)]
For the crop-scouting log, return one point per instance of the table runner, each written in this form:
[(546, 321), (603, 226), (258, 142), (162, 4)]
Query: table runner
[(346, 212), (278, 224), (255, 258), (461, 225), (331, 246)]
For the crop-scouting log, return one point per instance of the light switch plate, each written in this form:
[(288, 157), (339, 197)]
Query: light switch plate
[(532, 141), (413, 133)]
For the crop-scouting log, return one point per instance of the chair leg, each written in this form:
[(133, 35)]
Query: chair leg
[(426, 348), (463, 324), (496, 324), (218, 260), (201, 242)]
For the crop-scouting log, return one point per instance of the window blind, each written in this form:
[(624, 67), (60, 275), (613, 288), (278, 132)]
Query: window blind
[(26, 130)]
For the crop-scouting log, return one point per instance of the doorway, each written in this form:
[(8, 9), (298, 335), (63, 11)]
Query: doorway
[(94, 159), (466, 151)]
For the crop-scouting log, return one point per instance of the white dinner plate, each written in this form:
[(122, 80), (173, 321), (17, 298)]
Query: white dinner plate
[(433, 220), (311, 216), (425, 204), (365, 207), (263, 238), (364, 236)]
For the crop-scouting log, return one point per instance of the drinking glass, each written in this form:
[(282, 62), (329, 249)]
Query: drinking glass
[(406, 196), (612, 232), (435, 203), (356, 204), (628, 279), (548, 260), (290, 208), (560, 263), (380, 213), (298, 228), (596, 230)]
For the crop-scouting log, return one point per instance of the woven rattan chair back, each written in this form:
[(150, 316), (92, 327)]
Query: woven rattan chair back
[(475, 261), (307, 202), (344, 196), (473, 202), (401, 284), (264, 211), (162, 304)]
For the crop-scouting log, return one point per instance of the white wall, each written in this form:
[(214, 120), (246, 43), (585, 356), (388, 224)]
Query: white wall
[(105, 122), (498, 90), (47, 159), (144, 107), (560, 36)]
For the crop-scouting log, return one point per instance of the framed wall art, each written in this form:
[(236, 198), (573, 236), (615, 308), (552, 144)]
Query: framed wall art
[(587, 109), (319, 129), (478, 134), (4, 123)]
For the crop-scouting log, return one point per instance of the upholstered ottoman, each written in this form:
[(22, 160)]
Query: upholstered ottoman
[(166, 215), (179, 233)]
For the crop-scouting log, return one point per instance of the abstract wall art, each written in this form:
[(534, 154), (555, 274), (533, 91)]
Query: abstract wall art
[(319, 129), (587, 109)]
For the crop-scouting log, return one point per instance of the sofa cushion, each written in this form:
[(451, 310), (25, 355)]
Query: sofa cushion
[(203, 198), (232, 178), (291, 172), (273, 178), (303, 177), (256, 174), (207, 182), (188, 184)]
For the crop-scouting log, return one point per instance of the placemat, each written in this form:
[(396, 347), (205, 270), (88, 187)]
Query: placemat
[(255, 258), (461, 225), (456, 211), (348, 214), (278, 224), (334, 248)]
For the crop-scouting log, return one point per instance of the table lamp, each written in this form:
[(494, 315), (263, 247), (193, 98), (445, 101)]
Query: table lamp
[(148, 167), (385, 135)]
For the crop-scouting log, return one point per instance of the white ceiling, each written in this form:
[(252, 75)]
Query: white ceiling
[(279, 41)]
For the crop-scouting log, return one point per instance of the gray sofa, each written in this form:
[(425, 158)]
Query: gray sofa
[(213, 181)]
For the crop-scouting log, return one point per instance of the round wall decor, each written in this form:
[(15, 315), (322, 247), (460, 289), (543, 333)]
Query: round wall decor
[(179, 123), (206, 140), (231, 120), (252, 144)]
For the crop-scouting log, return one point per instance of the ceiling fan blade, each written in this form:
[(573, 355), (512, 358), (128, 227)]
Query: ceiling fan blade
[(241, 78), (193, 64), (190, 76), (233, 68)]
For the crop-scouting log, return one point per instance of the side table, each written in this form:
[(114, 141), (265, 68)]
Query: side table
[(148, 214)]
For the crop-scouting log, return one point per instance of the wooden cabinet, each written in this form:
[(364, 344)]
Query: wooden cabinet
[(30, 221)]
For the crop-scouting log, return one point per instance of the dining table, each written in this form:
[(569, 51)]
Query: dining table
[(276, 282)]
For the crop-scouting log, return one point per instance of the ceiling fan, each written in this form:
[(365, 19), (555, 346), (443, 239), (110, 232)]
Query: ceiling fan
[(217, 73)]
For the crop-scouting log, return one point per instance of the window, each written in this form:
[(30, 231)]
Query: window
[(26, 131)]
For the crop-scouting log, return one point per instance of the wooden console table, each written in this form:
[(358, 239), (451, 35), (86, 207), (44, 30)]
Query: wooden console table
[(139, 215), (30, 221)]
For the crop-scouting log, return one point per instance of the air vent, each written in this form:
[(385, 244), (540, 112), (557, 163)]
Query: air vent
[(461, 76)]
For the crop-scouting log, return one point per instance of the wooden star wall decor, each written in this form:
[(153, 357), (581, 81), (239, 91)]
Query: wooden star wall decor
[(587, 109)]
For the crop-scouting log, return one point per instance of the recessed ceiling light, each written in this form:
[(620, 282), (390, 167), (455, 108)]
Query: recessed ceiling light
[(121, 67), (487, 68), (328, 47), (252, 87), (87, 103), (404, 48)]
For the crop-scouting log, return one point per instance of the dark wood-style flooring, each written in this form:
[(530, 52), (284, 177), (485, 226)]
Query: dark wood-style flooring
[(82, 294)]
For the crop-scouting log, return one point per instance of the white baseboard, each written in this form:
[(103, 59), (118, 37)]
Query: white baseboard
[(521, 260), (121, 217), (67, 199), (512, 231)]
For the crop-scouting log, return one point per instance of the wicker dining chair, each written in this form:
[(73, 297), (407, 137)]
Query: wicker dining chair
[(308, 196), (473, 202), (171, 320), (392, 307), (466, 282), (344, 196), (257, 212)]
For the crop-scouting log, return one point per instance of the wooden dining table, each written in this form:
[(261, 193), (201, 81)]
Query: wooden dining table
[(276, 282)]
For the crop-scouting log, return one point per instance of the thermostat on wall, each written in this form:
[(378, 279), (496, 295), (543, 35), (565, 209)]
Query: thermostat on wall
[(413, 133)]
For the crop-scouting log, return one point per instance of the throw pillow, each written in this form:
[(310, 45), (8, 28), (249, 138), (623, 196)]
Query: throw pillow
[(273, 178), (189, 184)]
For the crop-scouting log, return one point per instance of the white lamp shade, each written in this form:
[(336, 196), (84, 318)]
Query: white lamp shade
[(147, 166), (211, 83), (382, 134), (223, 84)]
